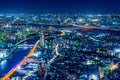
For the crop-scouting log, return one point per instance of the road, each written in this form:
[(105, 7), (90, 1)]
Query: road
[(58, 25), (51, 60), (28, 55), (16, 47), (11, 71)]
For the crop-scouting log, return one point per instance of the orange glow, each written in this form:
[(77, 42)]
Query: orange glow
[(20, 63), (62, 32), (113, 67), (88, 27)]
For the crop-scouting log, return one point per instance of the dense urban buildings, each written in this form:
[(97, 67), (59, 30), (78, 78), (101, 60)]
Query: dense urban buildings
[(59, 47)]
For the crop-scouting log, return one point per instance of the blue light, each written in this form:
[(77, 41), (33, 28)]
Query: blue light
[(19, 67)]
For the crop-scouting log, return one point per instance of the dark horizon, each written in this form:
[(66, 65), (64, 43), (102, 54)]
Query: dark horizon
[(60, 6)]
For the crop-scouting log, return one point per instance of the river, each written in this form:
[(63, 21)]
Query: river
[(18, 55)]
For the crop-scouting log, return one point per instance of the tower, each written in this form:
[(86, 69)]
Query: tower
[(42, 39)]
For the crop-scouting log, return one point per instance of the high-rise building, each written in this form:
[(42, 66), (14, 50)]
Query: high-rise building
[(42, 39)]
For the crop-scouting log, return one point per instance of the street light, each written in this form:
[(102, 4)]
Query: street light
[(19, 67)]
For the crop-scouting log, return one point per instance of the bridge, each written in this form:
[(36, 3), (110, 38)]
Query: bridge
[(6, 76), (25, 46), (18, 44)]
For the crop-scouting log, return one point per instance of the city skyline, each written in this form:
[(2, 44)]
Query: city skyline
[(59, 40)]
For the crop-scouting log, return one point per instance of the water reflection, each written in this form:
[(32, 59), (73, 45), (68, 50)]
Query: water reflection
[(3, 64)]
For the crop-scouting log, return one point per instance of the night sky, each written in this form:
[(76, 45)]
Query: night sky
[(60, 6)]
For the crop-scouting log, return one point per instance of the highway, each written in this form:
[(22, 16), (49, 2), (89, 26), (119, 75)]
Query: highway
[(51, 60), (11, 71), (80, 27), (20, 42), (30, 52)]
